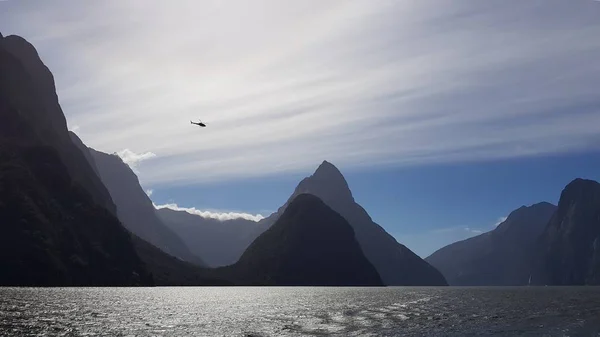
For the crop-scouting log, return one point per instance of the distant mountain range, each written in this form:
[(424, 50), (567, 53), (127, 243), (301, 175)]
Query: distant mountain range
[(219, 243), (501, 257), (71, 215), (224, 242), (134, 207), (538, 245)]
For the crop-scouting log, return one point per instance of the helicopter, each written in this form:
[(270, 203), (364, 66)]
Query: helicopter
[(199, 123)]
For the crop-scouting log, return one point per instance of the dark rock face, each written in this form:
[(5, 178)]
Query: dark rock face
[(569, 248), (501, 257), (135, 209), (32, 94), (55, 215), (219, 243), (396, 264), (309, 245)]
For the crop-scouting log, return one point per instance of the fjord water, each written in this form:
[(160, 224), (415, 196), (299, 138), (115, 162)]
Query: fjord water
[(279, 311)]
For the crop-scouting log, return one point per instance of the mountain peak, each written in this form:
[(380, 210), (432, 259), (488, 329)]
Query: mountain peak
[(526, 218), (579, 190), (580, 183), (331, 175), (326, 182), (526, 210), (328, 169), (22, 48)]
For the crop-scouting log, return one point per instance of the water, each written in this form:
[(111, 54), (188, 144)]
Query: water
[(199, 311)]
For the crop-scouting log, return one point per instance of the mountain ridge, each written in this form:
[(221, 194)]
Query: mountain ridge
[(135, 210), (500, 257), (219, 243)]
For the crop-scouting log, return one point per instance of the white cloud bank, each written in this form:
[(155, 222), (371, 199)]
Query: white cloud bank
[(221, 216), (283, 85), (132, 159), (500, 220)]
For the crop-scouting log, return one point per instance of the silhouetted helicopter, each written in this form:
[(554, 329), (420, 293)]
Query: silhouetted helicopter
[(199, 123)]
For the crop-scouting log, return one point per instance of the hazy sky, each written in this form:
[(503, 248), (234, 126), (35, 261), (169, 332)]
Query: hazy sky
[(383, 89)]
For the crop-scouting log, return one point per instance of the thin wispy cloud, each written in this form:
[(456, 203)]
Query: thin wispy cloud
[(221, 216), (456, 229), (284, 85)]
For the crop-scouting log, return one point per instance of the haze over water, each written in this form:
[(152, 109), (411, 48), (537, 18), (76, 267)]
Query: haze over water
[(264, 311)]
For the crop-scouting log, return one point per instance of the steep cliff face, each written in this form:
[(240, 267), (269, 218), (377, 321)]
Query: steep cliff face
[(32, 94), (309, 245), (55, 217), (396, 264), (501, 257), (569, 248)]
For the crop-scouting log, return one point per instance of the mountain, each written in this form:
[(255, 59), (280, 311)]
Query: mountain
[(134, 208), (501, 257), (569, 248), (219, 243), (58, 225), (396, 264), (309, 245), (45, 114)]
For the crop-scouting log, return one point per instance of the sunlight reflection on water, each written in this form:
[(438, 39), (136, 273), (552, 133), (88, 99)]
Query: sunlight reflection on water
[(216, 311)]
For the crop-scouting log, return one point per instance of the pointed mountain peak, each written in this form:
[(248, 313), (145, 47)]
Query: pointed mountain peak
[(327, 182), (327, 169)]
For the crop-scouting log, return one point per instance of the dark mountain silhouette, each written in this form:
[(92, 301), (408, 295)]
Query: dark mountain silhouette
[(396, 264), (569, 248), (134, 208), (309, 245), (501, 257), (38, 104), (56, 216), (219, 243)]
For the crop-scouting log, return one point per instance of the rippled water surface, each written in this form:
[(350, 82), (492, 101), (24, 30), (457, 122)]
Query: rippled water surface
[(190, 311)]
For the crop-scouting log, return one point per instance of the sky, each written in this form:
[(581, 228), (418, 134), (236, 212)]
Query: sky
[(443, 115)]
